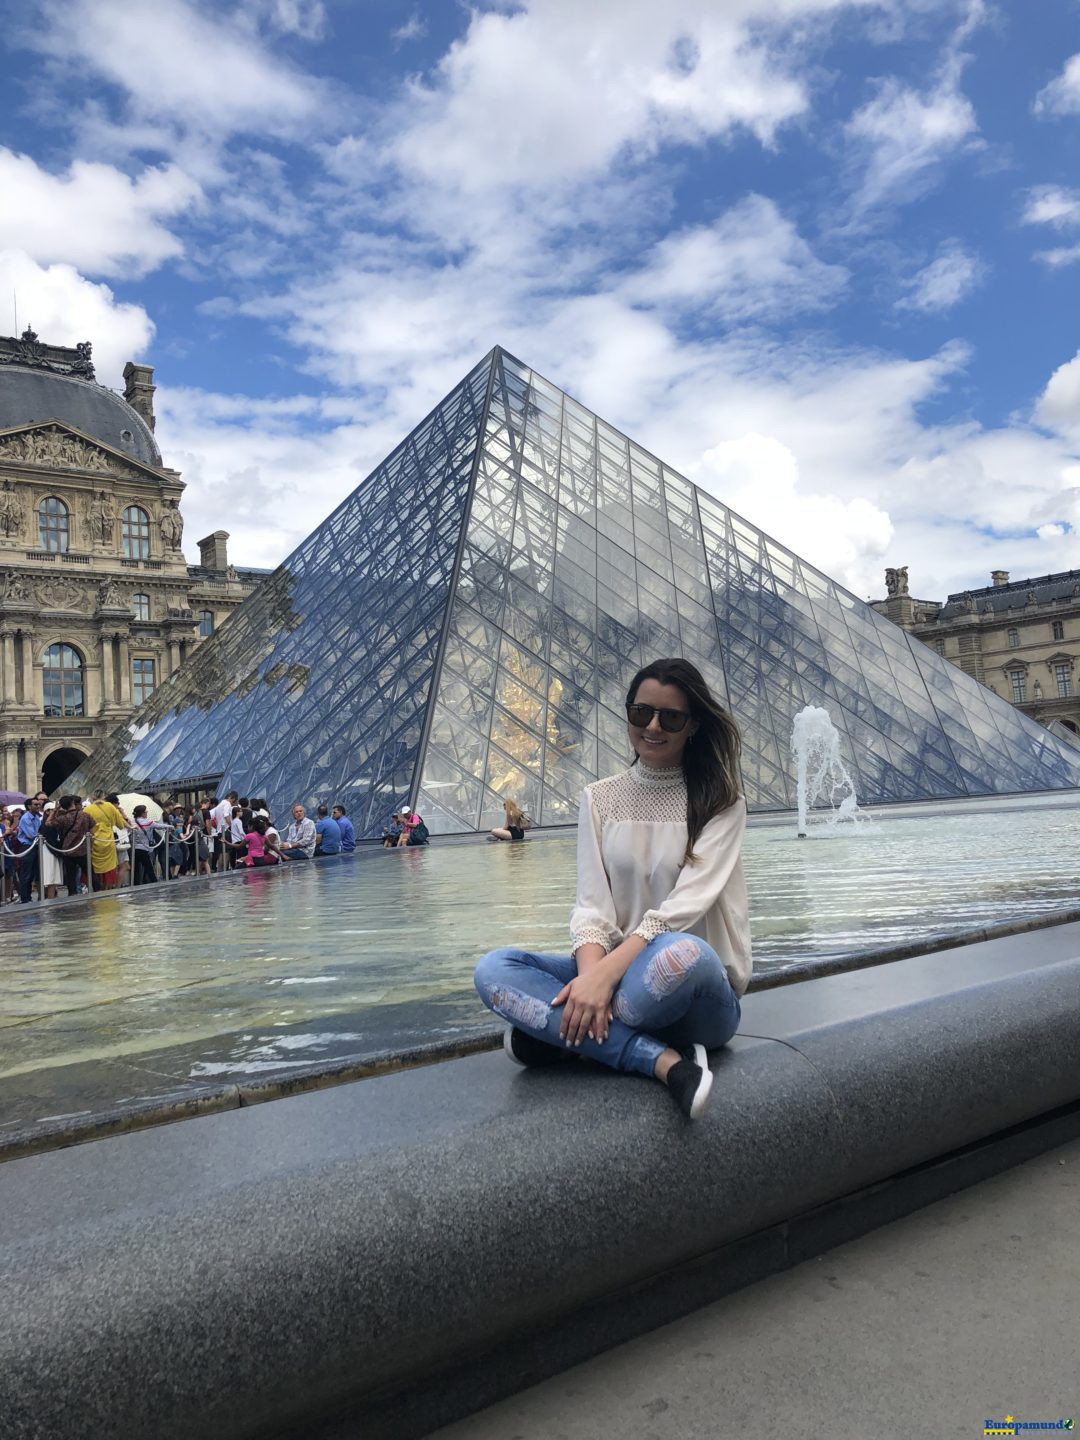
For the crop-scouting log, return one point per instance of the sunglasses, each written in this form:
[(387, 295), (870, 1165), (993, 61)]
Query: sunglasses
[(670, 720)]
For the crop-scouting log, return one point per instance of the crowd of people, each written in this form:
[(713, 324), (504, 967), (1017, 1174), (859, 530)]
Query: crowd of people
[(80, 846)]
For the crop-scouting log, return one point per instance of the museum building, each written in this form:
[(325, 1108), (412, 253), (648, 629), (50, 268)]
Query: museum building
[(1021, 638), (97, 603)]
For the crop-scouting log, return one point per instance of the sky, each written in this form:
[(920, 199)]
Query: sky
[(820, 256)]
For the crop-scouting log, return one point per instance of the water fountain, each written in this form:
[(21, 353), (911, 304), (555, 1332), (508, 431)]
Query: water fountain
[(821, 776)]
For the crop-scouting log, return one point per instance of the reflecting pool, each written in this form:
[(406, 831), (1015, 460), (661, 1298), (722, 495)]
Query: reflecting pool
[(271, 970)]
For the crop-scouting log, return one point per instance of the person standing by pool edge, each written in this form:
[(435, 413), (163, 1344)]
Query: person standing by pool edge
[(106, 820), (661, 933)]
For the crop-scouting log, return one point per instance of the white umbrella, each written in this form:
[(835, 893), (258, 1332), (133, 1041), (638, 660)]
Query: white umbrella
[(128, 803)]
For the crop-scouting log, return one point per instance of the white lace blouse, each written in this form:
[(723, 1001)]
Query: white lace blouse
[(631, 880)]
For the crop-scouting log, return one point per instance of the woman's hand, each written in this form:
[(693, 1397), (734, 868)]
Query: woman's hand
[(587, 999)]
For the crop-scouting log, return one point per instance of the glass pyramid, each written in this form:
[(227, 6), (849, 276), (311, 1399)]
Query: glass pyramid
[(463, 628)]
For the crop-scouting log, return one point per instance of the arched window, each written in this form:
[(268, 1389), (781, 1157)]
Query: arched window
[(135, 533), (54, 526), (63, 682), (206, 623), (140, 607)]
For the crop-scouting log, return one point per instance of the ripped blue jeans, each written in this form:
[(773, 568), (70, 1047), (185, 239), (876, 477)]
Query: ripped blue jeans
[(675, 993)]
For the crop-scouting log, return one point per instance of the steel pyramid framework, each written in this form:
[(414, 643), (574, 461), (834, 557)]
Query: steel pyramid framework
[(463, 628)]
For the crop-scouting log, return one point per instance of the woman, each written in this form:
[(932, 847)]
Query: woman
[(660, 931), (51, 872), (106, 820), (122, 836), (516, 823)]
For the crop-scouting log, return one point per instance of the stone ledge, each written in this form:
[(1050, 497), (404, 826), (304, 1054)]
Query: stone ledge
[(255, 1269)]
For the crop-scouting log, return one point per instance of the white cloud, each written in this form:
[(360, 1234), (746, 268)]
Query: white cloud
[(94, 217), (901, 137), (413, 29), (304, 18), (751, 263), (1058, 407), (64, 308), (1059, 256), (1052, 205), (180, 65), (1058, 207), (759, 477), (570, 104), (1051, 531), (1062, 95), (948, 279)]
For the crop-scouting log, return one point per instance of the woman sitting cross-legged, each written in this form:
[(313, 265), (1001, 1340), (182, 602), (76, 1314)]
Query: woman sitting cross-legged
[(517, 822), (660, 931)]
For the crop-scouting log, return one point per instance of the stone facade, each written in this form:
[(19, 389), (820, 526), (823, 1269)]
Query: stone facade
[(97, 602), (1021, 638)]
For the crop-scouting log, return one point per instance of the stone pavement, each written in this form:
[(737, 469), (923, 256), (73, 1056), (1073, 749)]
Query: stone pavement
[(962, 1312)]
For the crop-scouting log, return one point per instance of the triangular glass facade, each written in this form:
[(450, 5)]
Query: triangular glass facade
[(547, 558)]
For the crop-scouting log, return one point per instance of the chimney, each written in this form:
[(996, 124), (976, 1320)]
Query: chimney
[(212, 552), (999, 577), (139, 390)]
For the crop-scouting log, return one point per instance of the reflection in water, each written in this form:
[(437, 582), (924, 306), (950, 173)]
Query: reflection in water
[(330, 952)]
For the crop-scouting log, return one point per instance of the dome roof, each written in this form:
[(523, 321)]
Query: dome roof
[(33, 396)]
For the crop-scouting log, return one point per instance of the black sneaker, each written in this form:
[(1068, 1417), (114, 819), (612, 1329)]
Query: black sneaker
[(525, 1049), (690, 1081)]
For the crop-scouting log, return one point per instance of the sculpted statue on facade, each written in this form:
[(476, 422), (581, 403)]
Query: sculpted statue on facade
[(102, 517), (172, 525), (11, 511), (16, 590), (109, 596), (896, 581)]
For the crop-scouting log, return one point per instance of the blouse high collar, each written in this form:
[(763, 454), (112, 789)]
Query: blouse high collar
[(651, 779)]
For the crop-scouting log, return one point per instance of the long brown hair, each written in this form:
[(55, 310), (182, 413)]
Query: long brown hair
[(711, 759), (515, 816)]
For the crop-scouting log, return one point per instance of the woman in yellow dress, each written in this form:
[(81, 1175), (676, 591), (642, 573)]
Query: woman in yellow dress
[(103, 816)]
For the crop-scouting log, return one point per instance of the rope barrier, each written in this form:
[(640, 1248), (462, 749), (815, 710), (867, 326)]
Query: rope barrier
[(163, 839)]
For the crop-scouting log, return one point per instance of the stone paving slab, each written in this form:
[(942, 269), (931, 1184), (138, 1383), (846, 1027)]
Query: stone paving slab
[(962, 1312)]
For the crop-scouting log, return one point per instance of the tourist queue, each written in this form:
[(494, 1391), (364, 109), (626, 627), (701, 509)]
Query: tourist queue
[(96, 845)]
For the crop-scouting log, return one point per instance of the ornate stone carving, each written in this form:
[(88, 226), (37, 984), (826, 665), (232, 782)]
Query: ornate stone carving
[(28, 350), (896, 581), (17, 589), (55, 448), (83, 364), (101, 518), (110, 596), (968, 602), (172, 525), (59, 593), (12, 515)]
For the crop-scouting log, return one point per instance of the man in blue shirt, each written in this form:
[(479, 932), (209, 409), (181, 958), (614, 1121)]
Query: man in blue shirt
[(327, 834), (29, 862), (345, 825)]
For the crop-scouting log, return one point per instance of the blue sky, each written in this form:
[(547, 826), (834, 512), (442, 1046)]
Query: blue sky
[(820, 255)]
